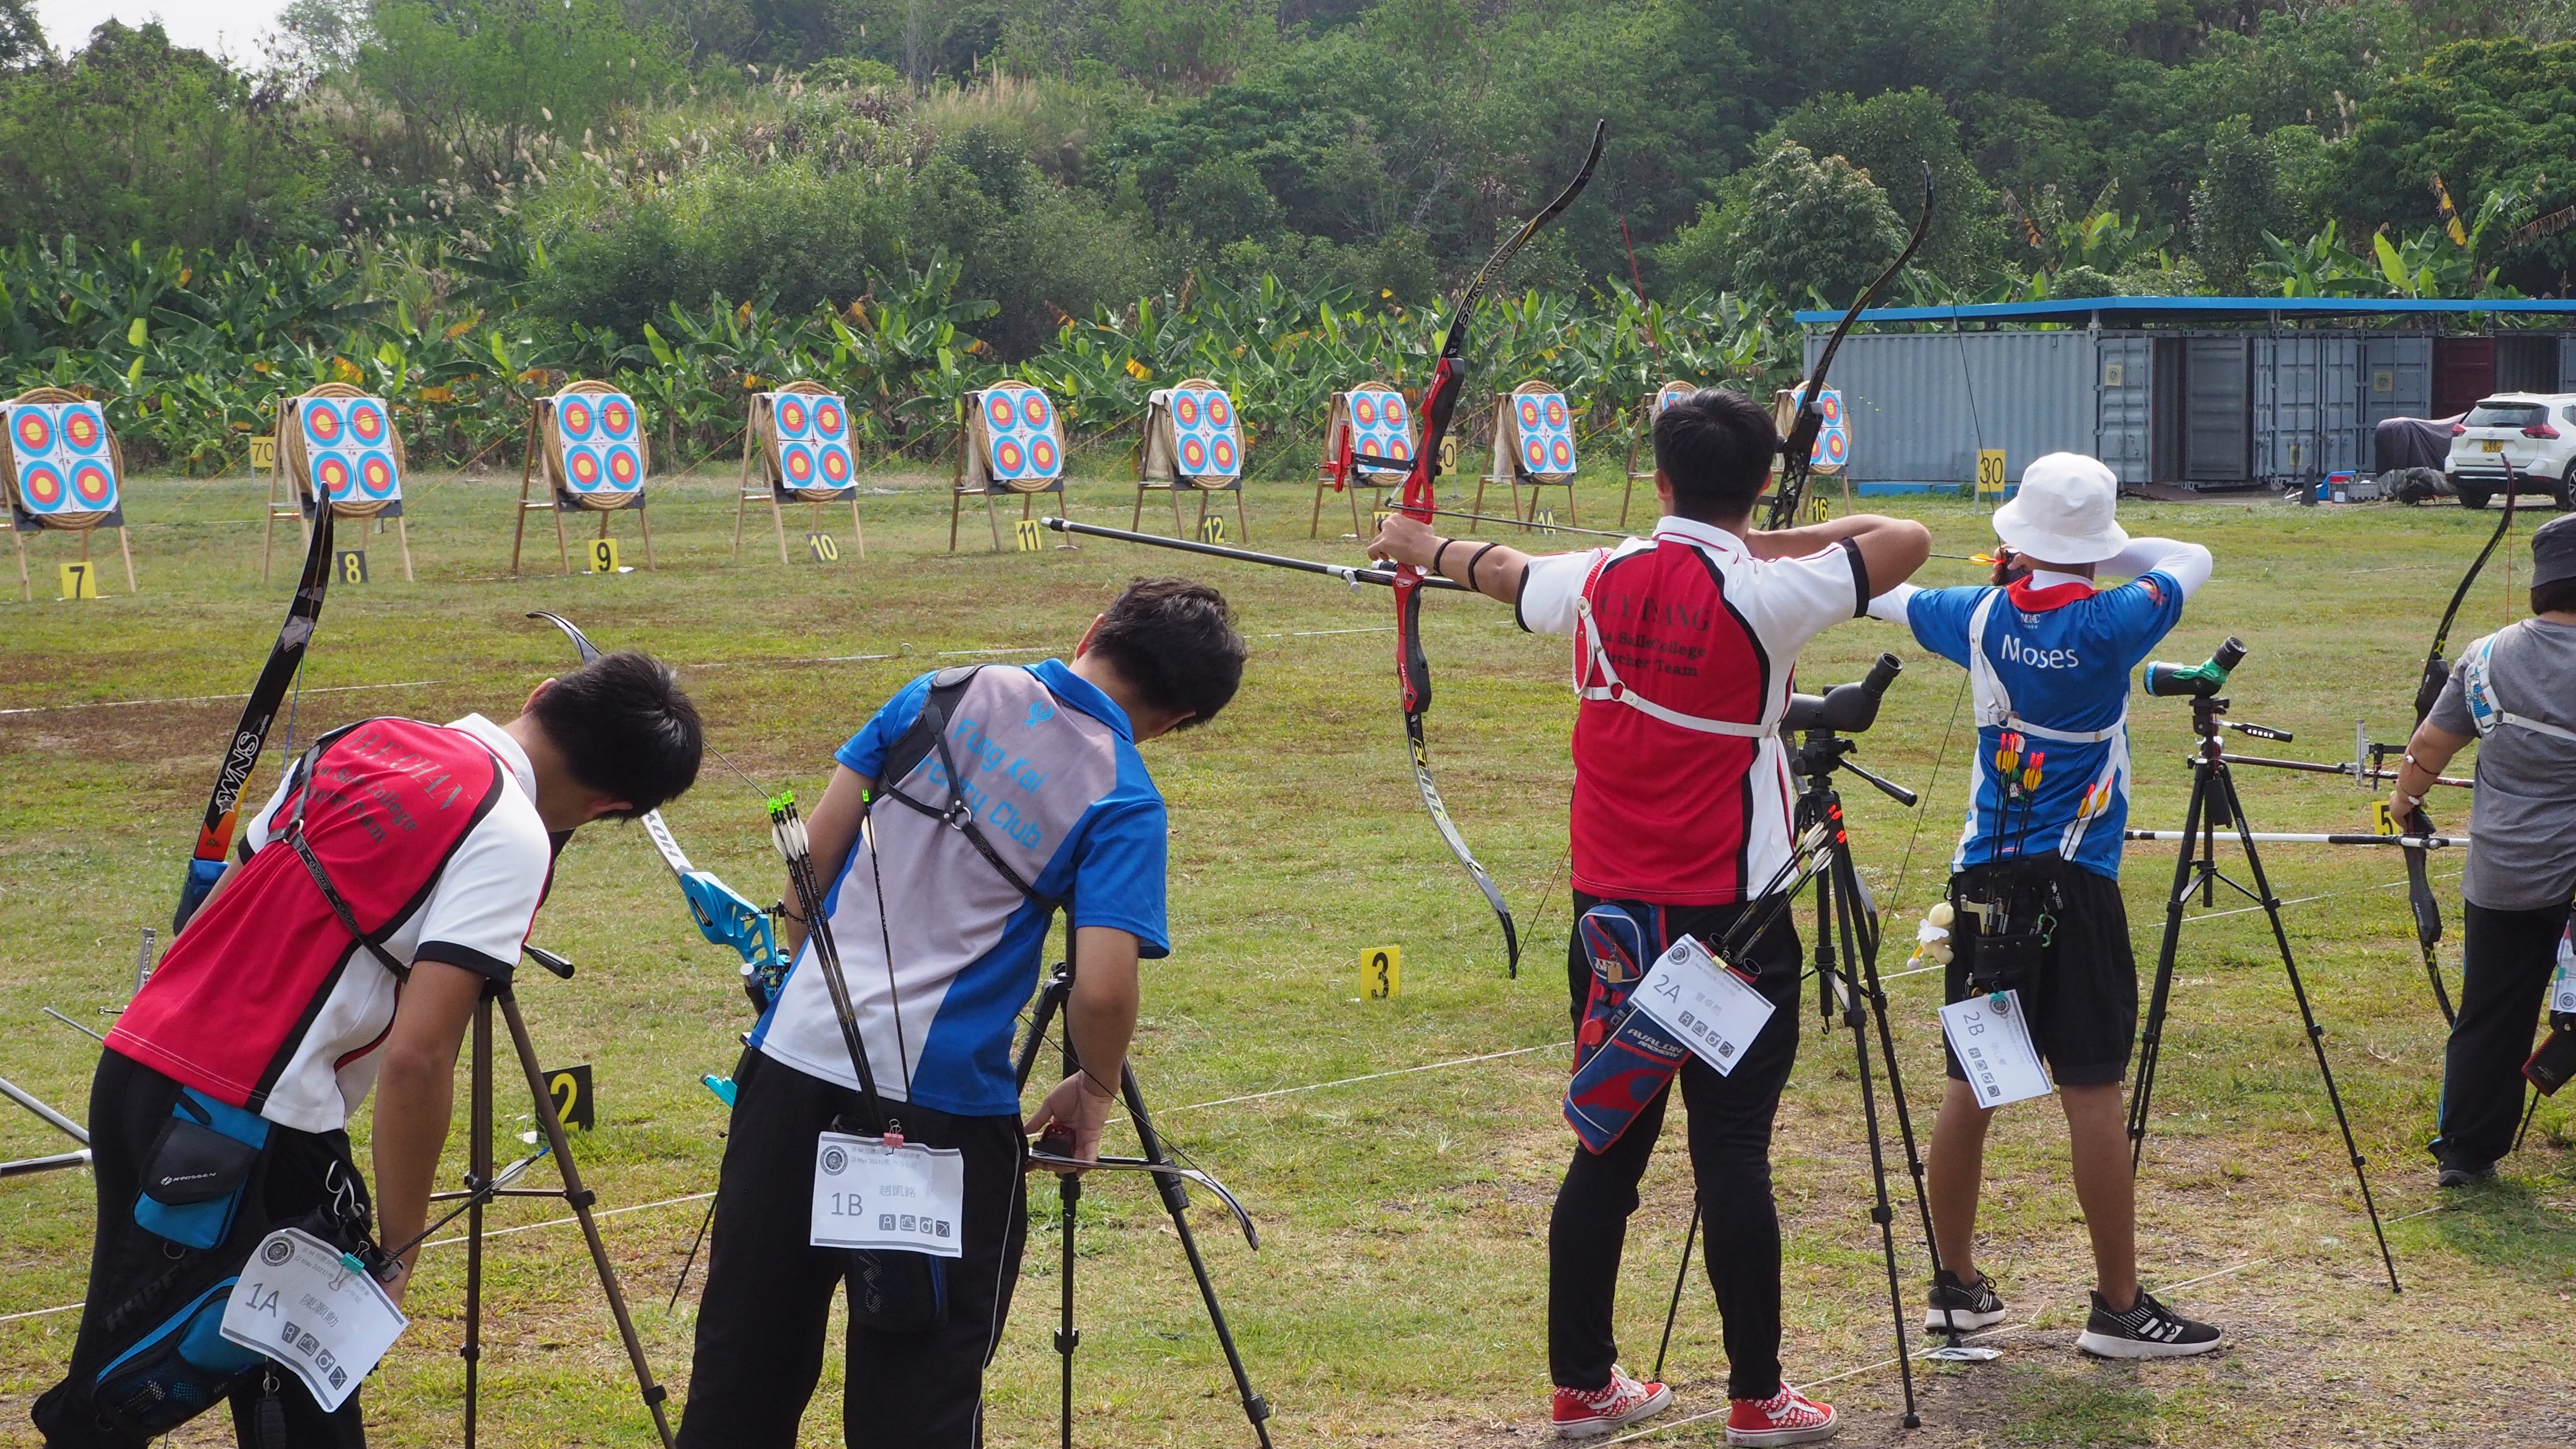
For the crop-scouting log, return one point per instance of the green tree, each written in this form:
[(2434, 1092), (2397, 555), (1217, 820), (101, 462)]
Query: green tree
[(477, 82), (135, 139), (1793, 225), (2489, 117), (1893, 137), (22, 40), (2239, 199)]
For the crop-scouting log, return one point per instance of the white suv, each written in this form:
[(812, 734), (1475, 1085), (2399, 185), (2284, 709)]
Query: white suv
[(2534, 431)]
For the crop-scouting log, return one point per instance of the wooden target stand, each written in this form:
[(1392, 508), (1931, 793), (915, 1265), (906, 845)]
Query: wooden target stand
[(22, 522), (760, 451), (1158, 466), (974, 476), (1336, 471), (1784, 416), (1506, 463), (545, 445), (290, 460)]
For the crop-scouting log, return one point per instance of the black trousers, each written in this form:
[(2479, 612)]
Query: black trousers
[(2505, 973), (769, 1295), (1730, 1149), (128, 1103)]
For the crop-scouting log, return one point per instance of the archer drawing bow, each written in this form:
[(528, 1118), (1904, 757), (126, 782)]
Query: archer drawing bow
[(1420, 499), (1797, 451), (722, 913)]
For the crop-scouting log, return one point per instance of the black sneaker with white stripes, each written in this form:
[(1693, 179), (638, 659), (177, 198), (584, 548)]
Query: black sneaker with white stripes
[(2147, 1330), (1956, 1308)]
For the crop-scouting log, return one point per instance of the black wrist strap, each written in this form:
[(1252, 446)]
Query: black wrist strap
[(1438, 553), (1477, 558)]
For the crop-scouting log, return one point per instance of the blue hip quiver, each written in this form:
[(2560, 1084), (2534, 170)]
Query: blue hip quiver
[(1621, 1058)]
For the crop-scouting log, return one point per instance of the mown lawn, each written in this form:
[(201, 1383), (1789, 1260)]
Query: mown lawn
[(1398, 1295)]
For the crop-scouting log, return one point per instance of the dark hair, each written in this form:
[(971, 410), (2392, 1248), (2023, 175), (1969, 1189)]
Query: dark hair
[(1716, 447), (1174, 641), (626, 729), (2552, 597)]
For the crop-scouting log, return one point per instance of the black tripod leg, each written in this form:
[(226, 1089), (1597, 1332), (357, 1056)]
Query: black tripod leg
[(691, 1261), (1681, 1275), (580, 1199), (1877, 996), (1834, 914), (2151, 1040), (1176, 1202), (478, 1171), (2308, 1018), (1067, 1337)]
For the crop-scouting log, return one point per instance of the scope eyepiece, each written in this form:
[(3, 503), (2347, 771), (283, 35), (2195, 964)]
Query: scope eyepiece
[(2196, 681)]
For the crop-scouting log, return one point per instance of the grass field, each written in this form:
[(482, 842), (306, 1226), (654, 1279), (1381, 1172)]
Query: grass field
[(1397, 1299)]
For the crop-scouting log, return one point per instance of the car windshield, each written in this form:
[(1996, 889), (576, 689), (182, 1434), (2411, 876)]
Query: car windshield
[(2507, 415)]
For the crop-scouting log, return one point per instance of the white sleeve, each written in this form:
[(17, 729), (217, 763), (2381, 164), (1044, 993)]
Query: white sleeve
[(1891, 605), (486, 899), (1800, 598), (255, 833), (2187, 564), (1550, 587)]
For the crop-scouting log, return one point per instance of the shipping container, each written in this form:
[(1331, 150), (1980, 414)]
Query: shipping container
[(1922, 405)]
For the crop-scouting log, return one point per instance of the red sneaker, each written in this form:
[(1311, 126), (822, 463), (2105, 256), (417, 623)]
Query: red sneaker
[(1584, 1413), (1787, 1417)]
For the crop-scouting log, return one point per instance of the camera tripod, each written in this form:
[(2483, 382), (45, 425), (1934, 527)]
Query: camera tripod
[(1169, 1183), (482, 1186), (1845, 959), (2215, 806)]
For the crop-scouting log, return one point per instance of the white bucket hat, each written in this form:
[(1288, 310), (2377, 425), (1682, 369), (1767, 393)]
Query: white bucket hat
[(2063, 513)]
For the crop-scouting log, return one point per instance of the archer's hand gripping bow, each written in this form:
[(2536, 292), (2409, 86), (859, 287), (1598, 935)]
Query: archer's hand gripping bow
[(1420, 500), (1798, 449)]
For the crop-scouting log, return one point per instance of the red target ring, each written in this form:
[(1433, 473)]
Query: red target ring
[(828, 419), (1034, 410), (618, 416), (1835, 447), (791, 415), (1534, 455), (34, 431), (1185, 409), (42, 483), (998, 413), (1832, 407), (576, 420), (799, 465), (1225, 456), (1193, 455), (1394, 409), (332, 472), (1043, 452), (1562, 453), (624, 468), (1220, 411), (376, 476), (83, 429), (1529, 412), (1008, 460), (322, 423), (1364, 410), (582, 466), (1399, 448), (1555, 411), (836, 464), (367, 421)]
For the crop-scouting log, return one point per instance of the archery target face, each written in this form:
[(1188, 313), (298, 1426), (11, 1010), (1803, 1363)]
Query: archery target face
[(796, 464), (813, 440), (62, 458), (347, 449), (1379, 426), (617, 417), (1671, 393), (1204, 441), (1020, 440), (831, 420), (793, 416), (581, 468), (367, 422), (597, 432), (1833, 440), (1547, 432), (625, 467), (576, 419), (834, 459)]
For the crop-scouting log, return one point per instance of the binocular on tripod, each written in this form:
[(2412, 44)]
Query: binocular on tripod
[(1845, 709), (2196, 681)]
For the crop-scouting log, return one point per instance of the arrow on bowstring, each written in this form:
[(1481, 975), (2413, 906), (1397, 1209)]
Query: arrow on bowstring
[(250, 736), (722, 913), (1797, 451)]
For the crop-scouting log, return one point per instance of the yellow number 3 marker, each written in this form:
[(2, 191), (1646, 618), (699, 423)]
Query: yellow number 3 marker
[(1382, 972)]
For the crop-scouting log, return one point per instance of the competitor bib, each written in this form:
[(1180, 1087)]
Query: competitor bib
[(869, 1195)]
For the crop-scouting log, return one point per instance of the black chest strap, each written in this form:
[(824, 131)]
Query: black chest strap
[(929, 733)]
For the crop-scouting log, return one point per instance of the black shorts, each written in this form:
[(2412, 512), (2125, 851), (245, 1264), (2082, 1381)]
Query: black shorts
[(2083, 1013)]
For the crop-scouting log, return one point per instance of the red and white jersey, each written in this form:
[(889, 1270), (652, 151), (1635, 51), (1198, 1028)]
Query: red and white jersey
[(1683, 648), (266, 1001)]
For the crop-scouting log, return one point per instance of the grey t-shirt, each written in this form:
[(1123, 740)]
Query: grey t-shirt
[(2524, 819)]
